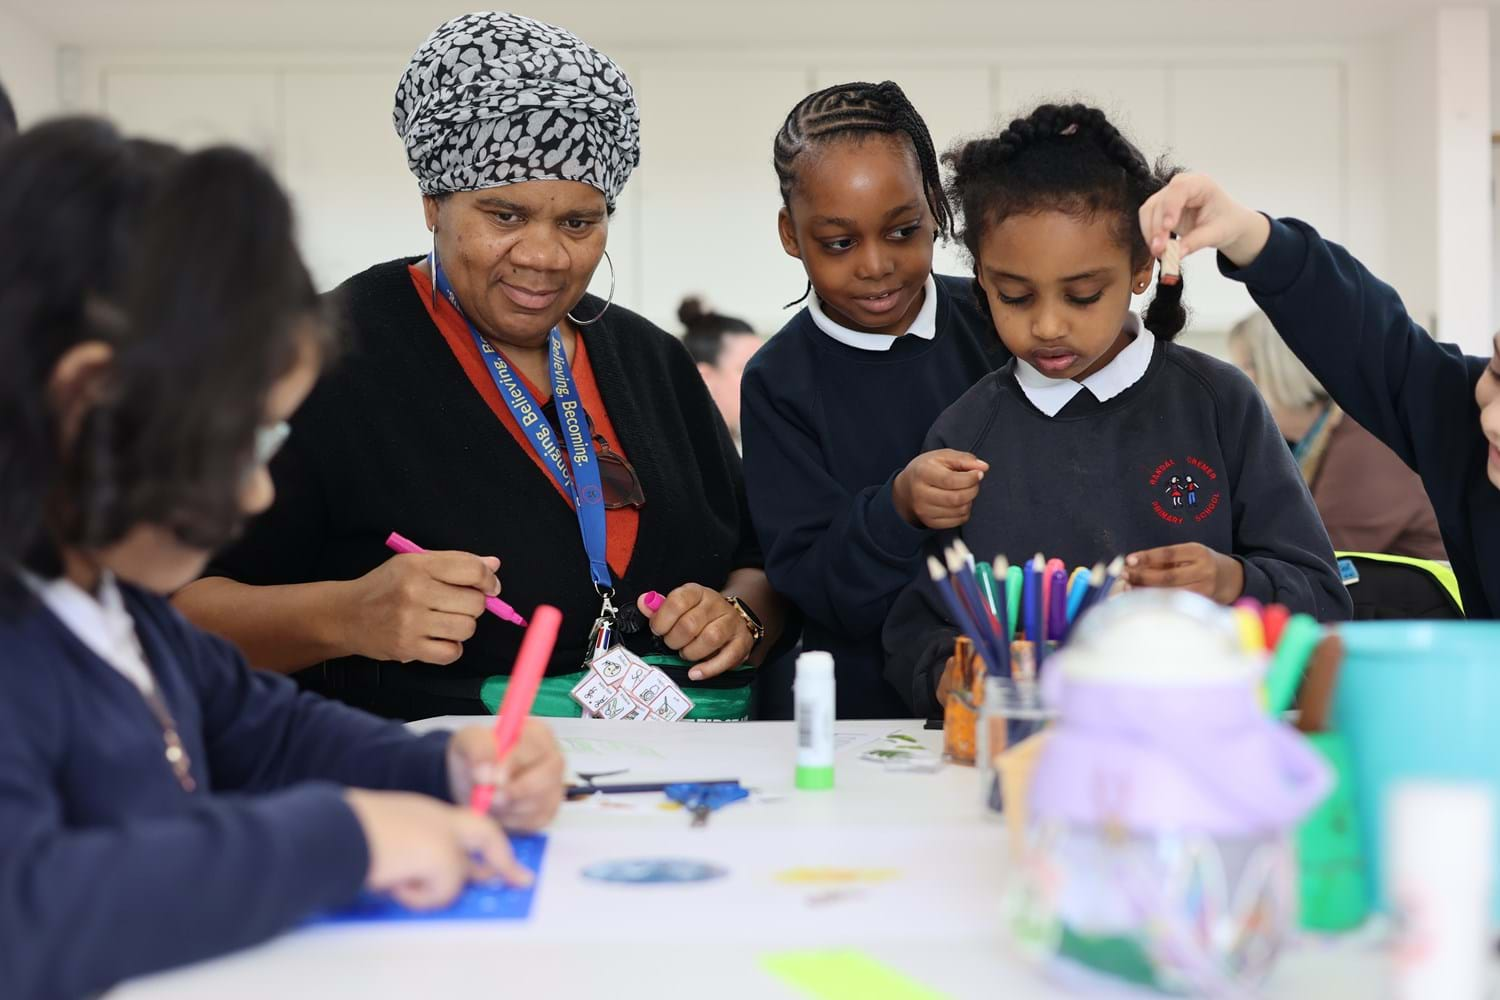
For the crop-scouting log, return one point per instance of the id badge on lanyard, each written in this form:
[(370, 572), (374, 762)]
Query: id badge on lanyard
[(575, 468)]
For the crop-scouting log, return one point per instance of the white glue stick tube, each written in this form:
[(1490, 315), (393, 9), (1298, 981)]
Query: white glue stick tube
[(1440, 853), (813, 694)]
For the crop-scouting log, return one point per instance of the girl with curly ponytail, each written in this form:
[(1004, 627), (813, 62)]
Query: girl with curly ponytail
[(1100, 440)]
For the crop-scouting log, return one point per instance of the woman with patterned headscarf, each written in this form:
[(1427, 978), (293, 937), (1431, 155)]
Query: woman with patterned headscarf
[(491, 410)]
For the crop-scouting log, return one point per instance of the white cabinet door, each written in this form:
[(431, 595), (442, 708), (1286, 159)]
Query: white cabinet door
[(195, 107), (707, 191), (1273, 135), (954, 101), (357, 203)]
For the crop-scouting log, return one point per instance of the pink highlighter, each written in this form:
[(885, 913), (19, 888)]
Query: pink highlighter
[(520, 693), (653, 601), (497, 607)]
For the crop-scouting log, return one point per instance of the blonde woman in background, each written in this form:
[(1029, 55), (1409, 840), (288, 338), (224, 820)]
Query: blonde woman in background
[(1368, 498)]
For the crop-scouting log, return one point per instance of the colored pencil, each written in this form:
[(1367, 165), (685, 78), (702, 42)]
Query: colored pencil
[(986, 627), (1000, 578)]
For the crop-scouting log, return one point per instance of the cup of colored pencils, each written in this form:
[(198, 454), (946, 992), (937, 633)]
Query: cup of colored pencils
[(1015, 615), (1010, 618)]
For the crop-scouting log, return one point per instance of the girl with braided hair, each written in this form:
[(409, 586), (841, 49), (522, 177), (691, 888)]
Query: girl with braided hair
[(834, 408), (1098, 411)]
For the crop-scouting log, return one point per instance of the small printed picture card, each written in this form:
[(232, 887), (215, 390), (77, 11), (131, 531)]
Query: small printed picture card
[(613, 663), (592, 692), (652, 686), (636, 673), (620, 685), (671, 705), (618, 706)]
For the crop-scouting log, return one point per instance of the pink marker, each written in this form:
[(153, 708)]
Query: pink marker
[(520, 693), (653, 601), (497, 607)]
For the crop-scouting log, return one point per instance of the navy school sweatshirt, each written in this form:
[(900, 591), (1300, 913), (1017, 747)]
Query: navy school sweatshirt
[(108, 868), (1416, 395), (826, 429), (1097, 480)]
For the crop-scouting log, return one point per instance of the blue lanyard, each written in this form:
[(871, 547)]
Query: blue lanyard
[(576, 471), (1301, 448)]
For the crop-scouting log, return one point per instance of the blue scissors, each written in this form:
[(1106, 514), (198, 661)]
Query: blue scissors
[(702, 799)]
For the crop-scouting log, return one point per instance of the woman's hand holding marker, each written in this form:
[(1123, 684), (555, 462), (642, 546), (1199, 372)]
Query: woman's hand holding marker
[(937, 488), (1190, 566), (423, 851), (1203, 215), (419, 606), (528, 783), (701, 626)]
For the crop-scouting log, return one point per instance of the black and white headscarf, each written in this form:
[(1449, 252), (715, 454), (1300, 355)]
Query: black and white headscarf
[(493, 98)]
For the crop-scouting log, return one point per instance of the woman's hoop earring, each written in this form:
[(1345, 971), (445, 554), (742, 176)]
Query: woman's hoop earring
[(579, 322)]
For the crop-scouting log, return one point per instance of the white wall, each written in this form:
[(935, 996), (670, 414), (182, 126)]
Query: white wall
[(1297, 129), (28, 68), (1465, 193), (1413, 168)]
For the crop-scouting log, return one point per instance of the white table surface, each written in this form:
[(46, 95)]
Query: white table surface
[(937, 918)]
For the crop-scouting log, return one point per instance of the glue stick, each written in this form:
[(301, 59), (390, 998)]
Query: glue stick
[(1439, 869), (813, 692)]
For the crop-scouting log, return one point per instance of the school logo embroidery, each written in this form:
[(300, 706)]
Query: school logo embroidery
[(1179, 494)]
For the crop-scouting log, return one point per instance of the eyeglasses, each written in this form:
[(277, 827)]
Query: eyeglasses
[(268, 441)]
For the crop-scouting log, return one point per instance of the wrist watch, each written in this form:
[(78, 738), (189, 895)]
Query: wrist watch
[(757, 630)]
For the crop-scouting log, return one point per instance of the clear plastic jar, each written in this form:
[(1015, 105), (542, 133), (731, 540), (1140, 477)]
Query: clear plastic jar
[(1187, 914), (1158, 847)]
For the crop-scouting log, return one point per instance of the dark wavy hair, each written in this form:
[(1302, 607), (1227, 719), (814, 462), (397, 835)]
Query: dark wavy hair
[(185, 265), (1066, 158)]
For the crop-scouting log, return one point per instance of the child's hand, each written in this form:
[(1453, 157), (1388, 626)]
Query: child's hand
[(937, 489), (528, 783), (422, 851), (1190, 566), (1203, 215)]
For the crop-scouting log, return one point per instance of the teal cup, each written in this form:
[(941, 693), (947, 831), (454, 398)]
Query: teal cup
[(1417, 701)]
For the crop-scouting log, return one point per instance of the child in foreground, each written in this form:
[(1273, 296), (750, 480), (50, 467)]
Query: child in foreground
[(159, 802)]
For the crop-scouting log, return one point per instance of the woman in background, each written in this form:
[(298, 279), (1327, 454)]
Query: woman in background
[(722, 346), (1369, 499)]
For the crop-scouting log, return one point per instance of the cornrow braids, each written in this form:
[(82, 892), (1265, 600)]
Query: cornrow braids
[(851, 109), (1067, 158)]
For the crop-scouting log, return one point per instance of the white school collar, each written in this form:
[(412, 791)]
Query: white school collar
[(100, 622), (924, 325), (1050, 395)]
